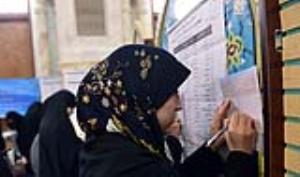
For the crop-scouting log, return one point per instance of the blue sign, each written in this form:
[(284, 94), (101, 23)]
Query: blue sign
[(240, 33), (18, 94)]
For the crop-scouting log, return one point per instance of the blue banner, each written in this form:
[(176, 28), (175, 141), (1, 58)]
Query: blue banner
[(240, 33), (18, 94)]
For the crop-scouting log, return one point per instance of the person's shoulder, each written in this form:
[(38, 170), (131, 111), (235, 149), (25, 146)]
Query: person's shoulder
[(116, 153), (110, 142), (117, 146)]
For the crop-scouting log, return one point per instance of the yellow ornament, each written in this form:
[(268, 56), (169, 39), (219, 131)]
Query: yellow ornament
[(86, 99), (123, 107)]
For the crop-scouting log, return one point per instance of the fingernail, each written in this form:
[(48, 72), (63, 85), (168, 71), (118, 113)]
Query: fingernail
[(227, 101), (222, 103)]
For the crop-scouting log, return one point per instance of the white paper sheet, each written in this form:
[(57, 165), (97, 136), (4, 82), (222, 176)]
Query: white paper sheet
[(199, 42), (243, 90)]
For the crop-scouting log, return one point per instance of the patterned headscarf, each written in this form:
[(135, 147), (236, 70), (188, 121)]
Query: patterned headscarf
[(122, 93)]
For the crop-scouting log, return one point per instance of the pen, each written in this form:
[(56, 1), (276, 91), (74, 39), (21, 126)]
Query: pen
[(216, 136)]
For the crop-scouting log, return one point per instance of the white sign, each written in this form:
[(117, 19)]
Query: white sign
[(72, 79), (199, 42), (243, 90), (49, 86)]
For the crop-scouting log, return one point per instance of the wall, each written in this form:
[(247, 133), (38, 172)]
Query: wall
[(16, 49), (290, 21), (57, 44)]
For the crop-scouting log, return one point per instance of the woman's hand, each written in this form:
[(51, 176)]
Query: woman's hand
[(241, 134), (219, 117), (217, 122)]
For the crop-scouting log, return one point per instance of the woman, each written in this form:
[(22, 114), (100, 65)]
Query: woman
[(28, 128), (4, 168), (58, 144), (31, 126), (125, 103), (11, 127)]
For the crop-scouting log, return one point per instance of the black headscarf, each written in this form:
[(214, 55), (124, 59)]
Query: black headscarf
[(175, 149), (122, 93), (14, 120), (2, 143), (59, 144)]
